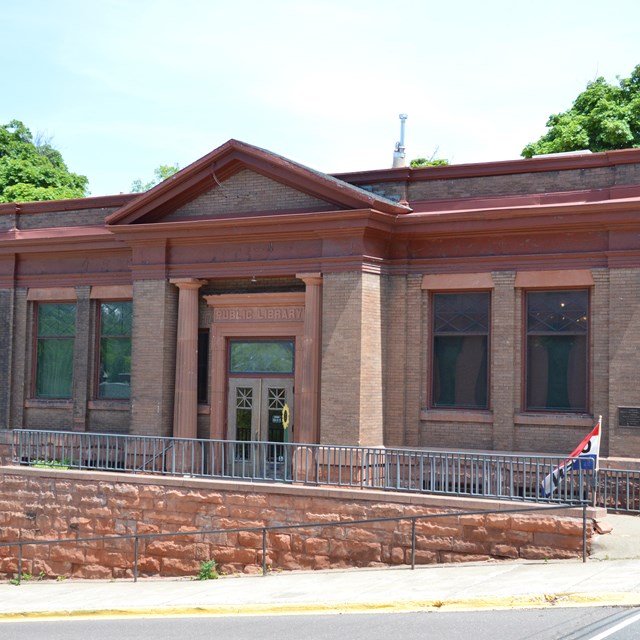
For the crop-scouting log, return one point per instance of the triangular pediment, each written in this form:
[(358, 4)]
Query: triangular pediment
[(240, 179), (248, 192)]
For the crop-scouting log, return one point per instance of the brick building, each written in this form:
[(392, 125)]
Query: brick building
[(489, 306)]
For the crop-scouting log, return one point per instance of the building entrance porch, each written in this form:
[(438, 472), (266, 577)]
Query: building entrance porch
[(265, 350)]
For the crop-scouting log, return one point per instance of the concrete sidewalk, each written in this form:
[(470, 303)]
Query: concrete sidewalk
[(610, 577)]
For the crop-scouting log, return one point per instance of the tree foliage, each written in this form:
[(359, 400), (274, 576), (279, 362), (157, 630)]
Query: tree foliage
[(416, 163), (33, 170), (603, 117), (431, 161), (163, 172)]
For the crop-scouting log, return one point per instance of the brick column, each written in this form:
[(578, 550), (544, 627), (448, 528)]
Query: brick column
[(505, 354), (185, 408), (6, 347), (351, 402), (154, 357), (308, 431), (82, 377)]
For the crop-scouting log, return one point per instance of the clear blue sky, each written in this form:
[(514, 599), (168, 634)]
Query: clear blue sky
[(123, 86)]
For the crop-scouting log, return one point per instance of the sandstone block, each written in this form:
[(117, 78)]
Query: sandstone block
[(316, 546), (434, 543), (67, 553), (108, 558), (256, 500), (533, 523), (572, 527), (504, 551), (280, 542), (546, 553), (469, 547), (250, 539), (163, 548), (557, 541), (498, 520), (289, 562), (178, 567), (148, 566), (252, 569), (463, 557), (422, 557), (92, 572)]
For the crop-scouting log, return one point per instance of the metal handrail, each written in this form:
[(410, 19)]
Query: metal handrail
[(137, 537), (487, 475)]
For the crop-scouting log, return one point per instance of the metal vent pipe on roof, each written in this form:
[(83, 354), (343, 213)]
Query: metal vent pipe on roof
[(399, 155)]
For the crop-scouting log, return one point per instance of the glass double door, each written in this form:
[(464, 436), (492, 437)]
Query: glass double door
[(260, 410)]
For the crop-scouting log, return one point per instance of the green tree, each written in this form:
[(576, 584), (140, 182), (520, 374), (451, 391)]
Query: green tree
[(432, 161), (416, 163), (603, 117), (33, 170), (163, 172)]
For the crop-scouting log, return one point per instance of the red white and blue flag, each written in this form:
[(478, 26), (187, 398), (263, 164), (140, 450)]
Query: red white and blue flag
[(585, 456)]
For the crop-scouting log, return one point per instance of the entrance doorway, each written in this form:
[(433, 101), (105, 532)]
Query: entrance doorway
[(260, 402), (256, 407), (259, 411)]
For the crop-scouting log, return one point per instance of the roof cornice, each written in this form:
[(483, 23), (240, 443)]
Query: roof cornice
[(497, 168), (72, 204)]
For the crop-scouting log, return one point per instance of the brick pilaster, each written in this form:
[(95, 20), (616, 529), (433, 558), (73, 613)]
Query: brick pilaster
[(82, 376), (185, 416), (6, 348), (505, 345), (153, 357), (351, 403)]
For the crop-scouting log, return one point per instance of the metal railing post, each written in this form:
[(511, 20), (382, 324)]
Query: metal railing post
[(584, 532), (19, 562), (413, 543), (135, 559), (264, 551)]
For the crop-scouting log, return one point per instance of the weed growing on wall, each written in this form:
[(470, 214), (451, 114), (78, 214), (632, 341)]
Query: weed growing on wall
[(207, 571)]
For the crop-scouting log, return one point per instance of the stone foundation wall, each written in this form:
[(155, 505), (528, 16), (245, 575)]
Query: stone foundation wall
[(47, 504)]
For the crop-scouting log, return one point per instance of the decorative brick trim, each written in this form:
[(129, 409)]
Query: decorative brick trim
[(450, 281), (54, 294), (557, 278), (114, 292)]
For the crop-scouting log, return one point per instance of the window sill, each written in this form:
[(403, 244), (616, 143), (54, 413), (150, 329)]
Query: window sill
[(554, 419), (457, 415), (204, 409), (109, 405), (44, 403)]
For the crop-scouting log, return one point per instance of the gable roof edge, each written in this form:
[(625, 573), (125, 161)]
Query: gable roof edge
[(269, 163)]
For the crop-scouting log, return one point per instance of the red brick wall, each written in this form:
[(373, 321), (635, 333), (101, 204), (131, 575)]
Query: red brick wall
[(46, 504), (155, 319), (352, 366), (248, 191), (341, 358), (511, 184)]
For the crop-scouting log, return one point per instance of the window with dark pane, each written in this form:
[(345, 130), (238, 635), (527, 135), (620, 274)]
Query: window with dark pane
[(460, 350), (203, 366), (115, 350), (56, 330), (261, 356), (557, 339), (244, 408)]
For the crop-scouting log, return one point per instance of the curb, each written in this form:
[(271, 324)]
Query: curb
[(471, 604)]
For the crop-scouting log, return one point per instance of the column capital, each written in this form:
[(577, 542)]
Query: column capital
[(310, 278), (187, 283)]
